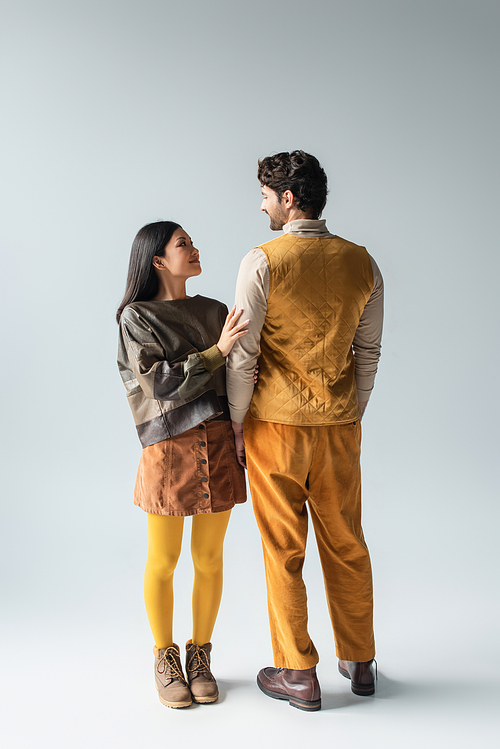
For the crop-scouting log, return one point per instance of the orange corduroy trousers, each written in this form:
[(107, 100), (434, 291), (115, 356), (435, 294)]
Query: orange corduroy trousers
[(290, 467)]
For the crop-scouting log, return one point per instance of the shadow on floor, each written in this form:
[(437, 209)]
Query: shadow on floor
[(436, 693), (385, 689), (232, 685)]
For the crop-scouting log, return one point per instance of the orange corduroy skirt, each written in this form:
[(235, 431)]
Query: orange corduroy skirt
[(192, 473)]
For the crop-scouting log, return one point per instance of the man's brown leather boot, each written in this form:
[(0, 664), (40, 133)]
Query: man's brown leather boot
[(201, 680), (362, 675), (300, 687), (173, 690)]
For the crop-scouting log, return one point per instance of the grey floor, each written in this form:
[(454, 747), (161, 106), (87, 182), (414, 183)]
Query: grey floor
[(76, 657), (56, 694)]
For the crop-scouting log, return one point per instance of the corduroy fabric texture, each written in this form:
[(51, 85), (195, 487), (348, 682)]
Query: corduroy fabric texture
[(192, 473), (289, 468), (319, 287)]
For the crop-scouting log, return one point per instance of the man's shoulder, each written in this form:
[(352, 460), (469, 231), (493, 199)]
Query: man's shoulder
[(254, 259), (345, 245), (343, 242), (272, 243), (325, 239), (329, 243)]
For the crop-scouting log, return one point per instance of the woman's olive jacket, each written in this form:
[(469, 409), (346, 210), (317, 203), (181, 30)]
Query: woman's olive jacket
[(170, 365)]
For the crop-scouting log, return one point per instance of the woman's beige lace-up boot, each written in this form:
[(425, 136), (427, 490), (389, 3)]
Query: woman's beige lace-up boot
[(172, 687), (200, 678)]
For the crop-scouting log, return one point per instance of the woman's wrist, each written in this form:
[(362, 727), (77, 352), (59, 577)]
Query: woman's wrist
[(212, 358)]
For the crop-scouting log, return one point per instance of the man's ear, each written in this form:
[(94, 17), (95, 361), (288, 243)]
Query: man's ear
[(288, 199), (158, 262)]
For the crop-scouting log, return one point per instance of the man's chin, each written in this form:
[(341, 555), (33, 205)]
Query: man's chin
[(275, 227)]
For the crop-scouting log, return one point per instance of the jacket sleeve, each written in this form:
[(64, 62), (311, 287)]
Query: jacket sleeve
[(157, 377)]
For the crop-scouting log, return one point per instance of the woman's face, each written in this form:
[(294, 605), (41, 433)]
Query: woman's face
[(182, 259)]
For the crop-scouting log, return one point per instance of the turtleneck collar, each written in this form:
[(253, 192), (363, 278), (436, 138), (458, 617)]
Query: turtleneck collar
[(307, 227)]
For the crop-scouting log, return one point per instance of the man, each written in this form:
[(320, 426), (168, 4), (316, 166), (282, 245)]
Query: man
[(315, 302)]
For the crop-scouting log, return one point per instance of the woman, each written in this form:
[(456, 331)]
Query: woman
[(171, 357)]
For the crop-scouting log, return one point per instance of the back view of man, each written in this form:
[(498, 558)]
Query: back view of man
[(315, 302)]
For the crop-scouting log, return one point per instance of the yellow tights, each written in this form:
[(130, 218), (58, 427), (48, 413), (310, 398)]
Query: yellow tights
[(164, 546)]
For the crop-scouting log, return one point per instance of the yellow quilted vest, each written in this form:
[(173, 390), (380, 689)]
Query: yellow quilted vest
[(319, 288)]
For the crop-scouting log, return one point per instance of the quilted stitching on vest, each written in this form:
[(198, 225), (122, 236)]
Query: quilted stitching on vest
[(319, 288)]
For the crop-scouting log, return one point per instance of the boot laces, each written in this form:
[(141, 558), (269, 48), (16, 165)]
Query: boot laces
[(198, 661), (168, 665)]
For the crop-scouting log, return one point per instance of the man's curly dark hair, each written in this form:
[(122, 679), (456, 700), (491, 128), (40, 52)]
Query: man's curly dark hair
[(300, 173)]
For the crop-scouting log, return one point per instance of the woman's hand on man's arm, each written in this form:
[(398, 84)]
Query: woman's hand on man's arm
[(231, 331)]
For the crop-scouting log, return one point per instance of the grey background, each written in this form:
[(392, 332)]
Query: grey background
[(120, 113)]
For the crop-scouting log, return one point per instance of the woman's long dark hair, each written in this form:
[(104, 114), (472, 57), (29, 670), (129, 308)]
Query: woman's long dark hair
[(142, 283)]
